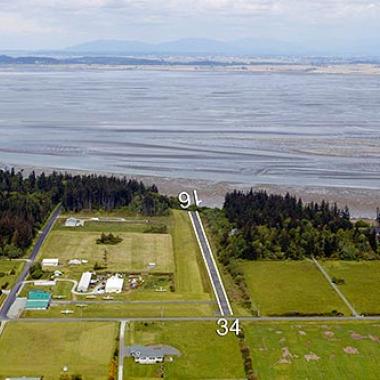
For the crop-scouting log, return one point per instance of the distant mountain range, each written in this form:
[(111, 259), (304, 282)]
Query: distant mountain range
[(188, 47), (247, 47)]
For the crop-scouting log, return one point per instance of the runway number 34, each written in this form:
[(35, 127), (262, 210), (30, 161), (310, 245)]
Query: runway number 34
[(185, 199), (225, 327)]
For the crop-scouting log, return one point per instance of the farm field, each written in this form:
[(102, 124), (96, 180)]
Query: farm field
[(133, 254), (361, 283), (317, 351), (290, 287), (85, 348), (195, 341)]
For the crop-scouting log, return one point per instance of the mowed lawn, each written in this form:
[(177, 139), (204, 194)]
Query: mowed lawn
[(317, 351), (362, 283), (134, 253), (288, 287), (205, 355), (43, 349)]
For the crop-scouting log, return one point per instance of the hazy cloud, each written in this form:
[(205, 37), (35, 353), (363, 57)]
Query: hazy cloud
[(152, 20)]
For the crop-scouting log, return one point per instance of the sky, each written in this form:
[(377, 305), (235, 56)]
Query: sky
[(55, 24)]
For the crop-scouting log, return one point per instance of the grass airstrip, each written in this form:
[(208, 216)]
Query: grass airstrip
[(40, 349)]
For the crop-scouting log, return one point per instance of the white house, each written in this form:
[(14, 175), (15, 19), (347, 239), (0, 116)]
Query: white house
[(84, 282), (50, 262), (74, 222), (114, 284)]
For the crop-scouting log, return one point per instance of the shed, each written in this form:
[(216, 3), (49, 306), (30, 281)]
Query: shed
[(114, 284), (84, 282), (50, 262)]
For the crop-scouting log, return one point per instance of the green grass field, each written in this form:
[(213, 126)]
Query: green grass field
[(190, 272), (342, 350), (5, 267), (362, 283), (38, 349), (205, 355), (284, 287), (132, 254)]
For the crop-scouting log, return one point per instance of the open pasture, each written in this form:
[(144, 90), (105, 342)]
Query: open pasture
[(361, 283), (318, 351), (290, 288)]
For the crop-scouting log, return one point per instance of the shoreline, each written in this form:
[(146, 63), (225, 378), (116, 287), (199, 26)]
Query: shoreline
[(362, 202), (249, 68)]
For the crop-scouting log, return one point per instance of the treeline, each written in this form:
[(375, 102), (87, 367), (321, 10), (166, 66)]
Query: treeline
[(263, 226), (26, 201)]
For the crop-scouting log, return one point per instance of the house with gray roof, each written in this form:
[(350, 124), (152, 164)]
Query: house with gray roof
[(150, 354)]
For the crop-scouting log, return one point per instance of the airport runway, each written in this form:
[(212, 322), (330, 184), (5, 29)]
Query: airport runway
[(212, 268)]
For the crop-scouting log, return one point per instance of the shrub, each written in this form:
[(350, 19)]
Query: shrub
[(109, 239)]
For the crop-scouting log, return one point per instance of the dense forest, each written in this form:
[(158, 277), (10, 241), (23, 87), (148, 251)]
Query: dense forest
[(26, 202), (256, 225)]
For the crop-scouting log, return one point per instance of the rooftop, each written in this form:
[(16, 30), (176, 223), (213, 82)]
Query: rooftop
[(137, 351)]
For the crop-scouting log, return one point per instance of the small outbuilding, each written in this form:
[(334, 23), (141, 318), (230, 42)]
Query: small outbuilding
[(114, 284), (74, 222), (50, 262), (84, 282)]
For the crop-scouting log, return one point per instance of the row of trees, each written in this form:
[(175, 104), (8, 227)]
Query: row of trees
[(26, 201)]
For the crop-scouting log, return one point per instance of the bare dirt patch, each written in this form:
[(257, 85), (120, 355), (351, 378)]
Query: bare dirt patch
[(311, 357), (351, 350)]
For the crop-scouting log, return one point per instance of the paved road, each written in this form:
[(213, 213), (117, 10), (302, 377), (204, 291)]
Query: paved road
[(195, 319), (121, 350), (13, 293), (212, 268)]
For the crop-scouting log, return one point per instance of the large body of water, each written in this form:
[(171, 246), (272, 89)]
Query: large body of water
[(286, 129)]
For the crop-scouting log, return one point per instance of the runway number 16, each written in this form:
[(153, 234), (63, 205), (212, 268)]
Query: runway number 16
[(225, 327), (185, 199)]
